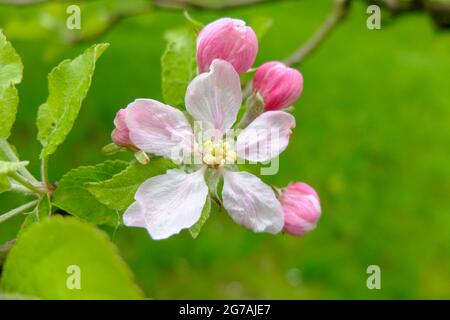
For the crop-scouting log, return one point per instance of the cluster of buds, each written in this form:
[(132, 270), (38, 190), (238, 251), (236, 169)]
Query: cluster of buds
[(231, 40), (279, 86), (275, 85)]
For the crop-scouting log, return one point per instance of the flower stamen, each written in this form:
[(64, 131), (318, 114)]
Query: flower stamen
[(217, 154)]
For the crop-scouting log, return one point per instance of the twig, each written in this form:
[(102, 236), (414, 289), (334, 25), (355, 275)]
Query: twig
[(116, 18), (113, 20), (340, 9), (193, 4), (399, 6), (18, 210)]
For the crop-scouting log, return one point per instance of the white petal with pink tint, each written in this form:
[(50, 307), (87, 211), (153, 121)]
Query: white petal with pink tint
[(214, 98), (266, 137), (159, 129), (169, 203), (134, 216), (251, 203)]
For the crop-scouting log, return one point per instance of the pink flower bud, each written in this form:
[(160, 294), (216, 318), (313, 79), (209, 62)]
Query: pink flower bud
[(279, 85), (301, 207), (227, 39), (121, 134)]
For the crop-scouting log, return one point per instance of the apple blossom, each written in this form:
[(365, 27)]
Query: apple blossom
[(169, 203)]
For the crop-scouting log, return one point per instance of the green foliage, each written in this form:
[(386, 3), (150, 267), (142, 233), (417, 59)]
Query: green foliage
[(178, 65), (10, 64), (8, 168), (9, 100), (196, 228), (72, 194), (372, 137), (68, 85), (4, 184), (39, 264), (196, 25), (10, 74), (118, 192), (42, 211)]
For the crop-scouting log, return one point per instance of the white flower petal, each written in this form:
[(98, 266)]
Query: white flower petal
[(214, 98), (251, 203), (159, 129), (134, 216), (171, 202), (266, 137)]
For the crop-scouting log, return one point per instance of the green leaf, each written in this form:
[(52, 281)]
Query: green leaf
[(11, 67), (42, 211), (44, 208), (178, 65), (48, 257), (8, 109), (7, 167), (68, 85), (72, 194), (118, 192), (196, 25), (4, 184), (195, 229)]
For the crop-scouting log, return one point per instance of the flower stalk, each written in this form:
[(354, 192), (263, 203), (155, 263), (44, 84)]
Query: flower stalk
[(255, 106), (17, 210), (11, 155), (27, 184)]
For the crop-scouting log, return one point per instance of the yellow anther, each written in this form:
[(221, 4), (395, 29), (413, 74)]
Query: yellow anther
[(217, 154)]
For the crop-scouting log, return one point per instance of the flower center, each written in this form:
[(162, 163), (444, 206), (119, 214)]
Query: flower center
[(216, 154)]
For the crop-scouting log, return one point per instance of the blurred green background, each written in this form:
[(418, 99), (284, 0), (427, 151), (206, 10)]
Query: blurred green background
[(372, 136)]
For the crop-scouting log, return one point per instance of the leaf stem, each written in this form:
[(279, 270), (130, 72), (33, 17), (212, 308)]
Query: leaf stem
[(11, 155), (17, 210), (44, 174)]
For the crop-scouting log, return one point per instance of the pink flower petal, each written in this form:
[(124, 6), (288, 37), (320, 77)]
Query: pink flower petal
[(266, 137), (121, 134), (214, 98), (168, 203), (251, 203), (159, 129)]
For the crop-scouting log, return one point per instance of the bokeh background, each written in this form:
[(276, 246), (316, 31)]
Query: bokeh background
[(372, 136)]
